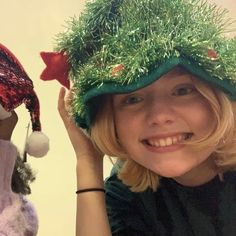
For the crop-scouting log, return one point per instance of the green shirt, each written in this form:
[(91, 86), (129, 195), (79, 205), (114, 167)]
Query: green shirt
[(206, 210)]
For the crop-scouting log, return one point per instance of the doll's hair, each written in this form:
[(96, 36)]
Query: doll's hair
[(22, 177), (139, 178)]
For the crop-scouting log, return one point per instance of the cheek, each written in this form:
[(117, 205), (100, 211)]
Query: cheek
[(122, 127), (126, 124), (127, 131), (202, 118)]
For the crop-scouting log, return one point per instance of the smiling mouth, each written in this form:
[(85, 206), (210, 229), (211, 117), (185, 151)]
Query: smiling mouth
[(168, 141)]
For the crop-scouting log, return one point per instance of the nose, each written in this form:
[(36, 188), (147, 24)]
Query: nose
[(160, 112)]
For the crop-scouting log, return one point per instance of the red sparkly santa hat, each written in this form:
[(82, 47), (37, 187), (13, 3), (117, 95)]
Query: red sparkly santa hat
[(16, 88)]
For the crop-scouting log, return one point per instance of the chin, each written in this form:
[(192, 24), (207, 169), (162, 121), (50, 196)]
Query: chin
[(172, 172)]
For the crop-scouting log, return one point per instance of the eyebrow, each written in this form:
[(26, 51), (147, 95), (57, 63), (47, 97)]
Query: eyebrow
[(181, 71)]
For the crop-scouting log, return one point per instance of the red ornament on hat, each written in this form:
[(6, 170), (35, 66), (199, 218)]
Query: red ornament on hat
[(211, 53), (117, 69), (16, 88), (57, 67)]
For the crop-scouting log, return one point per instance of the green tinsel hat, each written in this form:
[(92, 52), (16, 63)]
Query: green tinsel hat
[(118, 46)]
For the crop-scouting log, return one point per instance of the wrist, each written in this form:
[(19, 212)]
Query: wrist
[(89, 176), (86, 190)]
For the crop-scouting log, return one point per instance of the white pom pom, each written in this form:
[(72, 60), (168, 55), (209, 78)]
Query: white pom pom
[(3, 113), (37, 144)]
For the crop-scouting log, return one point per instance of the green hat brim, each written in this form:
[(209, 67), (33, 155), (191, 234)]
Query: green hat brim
[(115, 88)]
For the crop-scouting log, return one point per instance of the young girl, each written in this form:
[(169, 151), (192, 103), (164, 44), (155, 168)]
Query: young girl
[(154, 86)]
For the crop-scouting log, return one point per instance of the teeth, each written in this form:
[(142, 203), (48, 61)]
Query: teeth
[(156, 143), (169, 141), (180, 137), (164, 142), (174, 140)]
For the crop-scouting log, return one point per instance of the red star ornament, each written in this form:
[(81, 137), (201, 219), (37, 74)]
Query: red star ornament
[(57, 67)]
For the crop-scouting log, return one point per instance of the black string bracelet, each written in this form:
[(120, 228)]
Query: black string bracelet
[(90, 190)]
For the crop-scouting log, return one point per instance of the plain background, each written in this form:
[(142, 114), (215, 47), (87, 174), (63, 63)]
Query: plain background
[(28, 27)]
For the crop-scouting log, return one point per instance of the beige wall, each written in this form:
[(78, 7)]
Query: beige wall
[(27, 27), (230, 5)]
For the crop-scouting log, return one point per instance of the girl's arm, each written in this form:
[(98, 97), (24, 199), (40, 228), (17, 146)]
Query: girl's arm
[(91, 217)]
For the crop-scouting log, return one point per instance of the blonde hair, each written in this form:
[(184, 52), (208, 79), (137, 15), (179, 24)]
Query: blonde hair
[(139, 178)]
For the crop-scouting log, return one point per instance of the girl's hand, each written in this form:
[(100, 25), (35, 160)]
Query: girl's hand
[(82, 144), (89, 167), (7, 126)]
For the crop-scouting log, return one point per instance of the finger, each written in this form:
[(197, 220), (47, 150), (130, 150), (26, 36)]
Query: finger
[(68, 100), (61, 97), (61, 104), (63, 111)]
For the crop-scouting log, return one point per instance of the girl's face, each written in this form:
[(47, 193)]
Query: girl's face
[(151, 124)]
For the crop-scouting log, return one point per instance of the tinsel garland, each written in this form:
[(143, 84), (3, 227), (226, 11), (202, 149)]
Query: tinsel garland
[(120, 41)]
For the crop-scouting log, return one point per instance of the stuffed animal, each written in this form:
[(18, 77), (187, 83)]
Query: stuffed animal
[(18, 217)]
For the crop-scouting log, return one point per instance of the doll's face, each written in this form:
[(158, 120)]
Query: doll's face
[(7, 126), (152, 122)]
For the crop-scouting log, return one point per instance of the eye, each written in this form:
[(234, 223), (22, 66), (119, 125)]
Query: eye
[(184, 90), (132, 99)]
